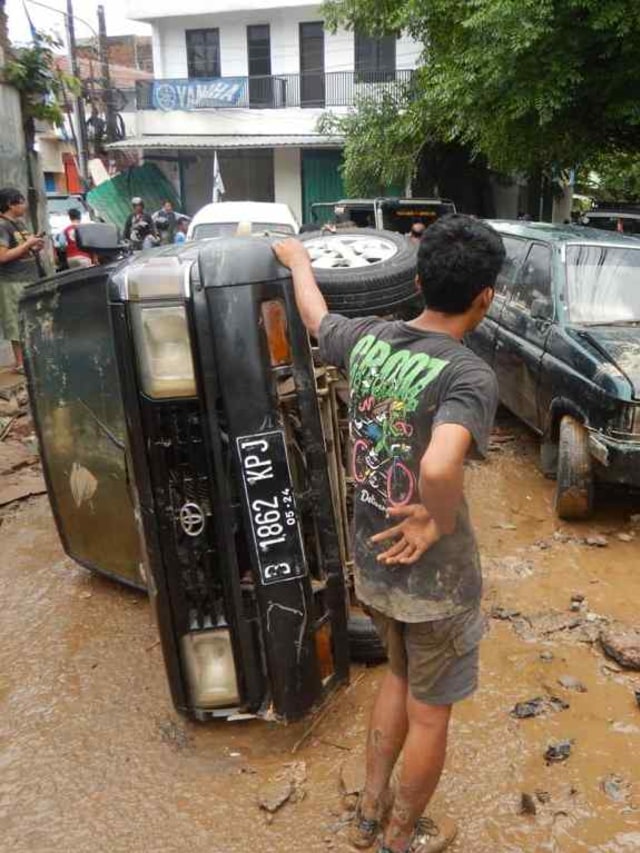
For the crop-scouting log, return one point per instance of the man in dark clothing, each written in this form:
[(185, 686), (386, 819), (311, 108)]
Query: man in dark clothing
[(420, 403), (19, 264), (166, 221), (139, 229)]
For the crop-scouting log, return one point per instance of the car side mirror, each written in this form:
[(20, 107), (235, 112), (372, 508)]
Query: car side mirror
[(542, 308), (98, 237)]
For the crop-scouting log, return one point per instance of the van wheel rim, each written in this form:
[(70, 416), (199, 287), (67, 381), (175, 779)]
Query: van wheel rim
[(349, 251)]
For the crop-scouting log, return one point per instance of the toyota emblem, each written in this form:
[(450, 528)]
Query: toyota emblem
[(192, 519)]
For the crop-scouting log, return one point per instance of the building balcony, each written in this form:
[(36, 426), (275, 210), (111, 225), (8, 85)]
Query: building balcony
[(279, 91)]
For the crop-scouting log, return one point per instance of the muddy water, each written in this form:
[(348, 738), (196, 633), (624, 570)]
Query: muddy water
[(94, 758)]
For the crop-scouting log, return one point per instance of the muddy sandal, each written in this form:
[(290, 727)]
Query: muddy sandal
[(364, 831)]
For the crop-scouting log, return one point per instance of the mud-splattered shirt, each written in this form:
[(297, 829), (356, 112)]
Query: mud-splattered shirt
[(403, 382)]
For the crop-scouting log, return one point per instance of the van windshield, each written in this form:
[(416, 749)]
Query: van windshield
[(228, 229), (603, 284)]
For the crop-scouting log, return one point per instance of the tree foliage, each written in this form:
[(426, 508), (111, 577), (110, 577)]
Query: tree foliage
[(534, 85), (612, 177), (42, 86)]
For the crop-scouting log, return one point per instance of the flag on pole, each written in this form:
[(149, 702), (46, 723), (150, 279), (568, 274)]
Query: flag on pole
[(34, 32), (218, 183)]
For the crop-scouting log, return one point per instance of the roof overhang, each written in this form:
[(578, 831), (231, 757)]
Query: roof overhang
[(229, 141)]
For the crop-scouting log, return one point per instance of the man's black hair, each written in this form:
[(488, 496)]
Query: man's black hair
[(458, 257), (8, 197), (74, 214)]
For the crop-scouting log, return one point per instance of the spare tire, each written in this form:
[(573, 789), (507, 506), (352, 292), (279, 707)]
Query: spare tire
[(362, 271)]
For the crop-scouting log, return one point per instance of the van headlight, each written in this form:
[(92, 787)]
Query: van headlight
[(210, 668), (163, 350)]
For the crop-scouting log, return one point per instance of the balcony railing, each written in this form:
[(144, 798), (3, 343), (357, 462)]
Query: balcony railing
[(310, 89)]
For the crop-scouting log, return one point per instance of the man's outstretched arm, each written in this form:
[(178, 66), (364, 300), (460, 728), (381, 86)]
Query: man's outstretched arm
[(310, 301)]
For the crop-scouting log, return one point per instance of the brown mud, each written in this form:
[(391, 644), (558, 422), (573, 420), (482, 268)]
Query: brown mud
[(94, 758)]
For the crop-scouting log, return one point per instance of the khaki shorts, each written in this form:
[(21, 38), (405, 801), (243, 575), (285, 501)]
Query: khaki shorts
[(439, 659)]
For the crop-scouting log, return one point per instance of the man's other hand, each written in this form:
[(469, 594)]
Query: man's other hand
[(291, 253), (413, 536)]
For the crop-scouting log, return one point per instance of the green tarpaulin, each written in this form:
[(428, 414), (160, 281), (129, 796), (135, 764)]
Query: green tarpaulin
[(112, 199)]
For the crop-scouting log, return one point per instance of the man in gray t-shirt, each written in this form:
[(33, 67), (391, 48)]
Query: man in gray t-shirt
[(420, 403)]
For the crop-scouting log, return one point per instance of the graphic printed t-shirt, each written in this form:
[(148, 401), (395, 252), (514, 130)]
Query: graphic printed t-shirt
[(12, 234), (404, 382)]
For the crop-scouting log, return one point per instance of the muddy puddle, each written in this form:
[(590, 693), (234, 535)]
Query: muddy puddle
[(95, 759)]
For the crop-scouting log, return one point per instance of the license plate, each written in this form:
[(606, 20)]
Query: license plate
[(271, 507)]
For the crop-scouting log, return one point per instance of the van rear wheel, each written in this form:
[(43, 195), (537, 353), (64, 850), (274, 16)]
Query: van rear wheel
[(574, 485)]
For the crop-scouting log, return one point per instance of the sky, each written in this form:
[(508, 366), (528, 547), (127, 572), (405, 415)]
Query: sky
[(51, 21)]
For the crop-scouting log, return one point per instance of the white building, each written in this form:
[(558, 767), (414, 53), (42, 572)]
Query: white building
[(249, 79)]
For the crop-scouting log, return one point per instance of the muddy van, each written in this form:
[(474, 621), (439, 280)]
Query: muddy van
[(194, 447)]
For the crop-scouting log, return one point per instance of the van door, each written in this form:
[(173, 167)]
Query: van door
[(483, 339), (521, 337), (80, 421)]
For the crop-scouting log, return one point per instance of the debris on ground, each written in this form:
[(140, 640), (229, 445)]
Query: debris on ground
[(537, 706), (569, 682), (596, 541), (351, 780), (622, 643), (615, 787), (558, 751), (21, 485), (625, 537), (527, 804), (275, 794), (504, 613), (547, 656), (175, 734), (637, 695)]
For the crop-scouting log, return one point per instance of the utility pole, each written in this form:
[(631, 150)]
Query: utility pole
[(107, 94), (79, 103)]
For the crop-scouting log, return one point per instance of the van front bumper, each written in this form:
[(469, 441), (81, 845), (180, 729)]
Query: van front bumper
[(619, 460)]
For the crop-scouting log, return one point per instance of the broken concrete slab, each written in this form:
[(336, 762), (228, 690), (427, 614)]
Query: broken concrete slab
[(17, 487)]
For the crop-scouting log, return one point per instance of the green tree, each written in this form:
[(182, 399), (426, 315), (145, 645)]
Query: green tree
[(612, 177), (42, 86), (536, 86)]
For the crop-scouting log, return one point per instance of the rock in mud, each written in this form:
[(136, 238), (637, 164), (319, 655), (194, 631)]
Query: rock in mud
[(536, 707), (527, 804), (558, 751), (504, 613), (275, 794), (596, 541), (625, 537), (615, 787), (622, 643), (569, 682), (637, 695), (546, 656)]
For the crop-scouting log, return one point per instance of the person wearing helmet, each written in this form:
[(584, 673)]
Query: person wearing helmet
[(139, 229)]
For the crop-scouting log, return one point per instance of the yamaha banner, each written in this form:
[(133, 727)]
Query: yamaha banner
[(199, 94)]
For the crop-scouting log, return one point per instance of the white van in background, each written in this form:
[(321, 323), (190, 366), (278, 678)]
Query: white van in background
[(221, 219)]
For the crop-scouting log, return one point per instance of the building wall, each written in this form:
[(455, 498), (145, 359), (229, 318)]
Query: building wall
[(287, 178), (170, 54)]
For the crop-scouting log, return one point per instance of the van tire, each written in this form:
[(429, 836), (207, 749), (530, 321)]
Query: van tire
[(365, 645), (574, 485), (385, 287)]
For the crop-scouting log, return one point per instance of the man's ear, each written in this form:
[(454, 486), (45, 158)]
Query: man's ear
[(417, 283), (484, 299)]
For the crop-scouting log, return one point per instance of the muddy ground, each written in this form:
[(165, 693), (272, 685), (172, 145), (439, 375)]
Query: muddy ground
[(95, 759)]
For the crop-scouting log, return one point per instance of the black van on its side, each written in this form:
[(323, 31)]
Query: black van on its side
[(563, 336)]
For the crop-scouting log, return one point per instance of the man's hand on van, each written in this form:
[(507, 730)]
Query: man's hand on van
[(291, 253), (413, 536)]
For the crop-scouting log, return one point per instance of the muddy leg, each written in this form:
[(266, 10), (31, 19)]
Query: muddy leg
[(422, 763), (387, 732)]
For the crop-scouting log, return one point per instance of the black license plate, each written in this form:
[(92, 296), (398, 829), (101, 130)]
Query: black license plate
[(271, 507)]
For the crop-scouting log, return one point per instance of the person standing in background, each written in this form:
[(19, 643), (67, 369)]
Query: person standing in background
[(139, 229), (166, 222), (19, 264)]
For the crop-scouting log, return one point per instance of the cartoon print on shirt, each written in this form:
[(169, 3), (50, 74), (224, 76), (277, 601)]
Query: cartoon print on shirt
[(386, 386)]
